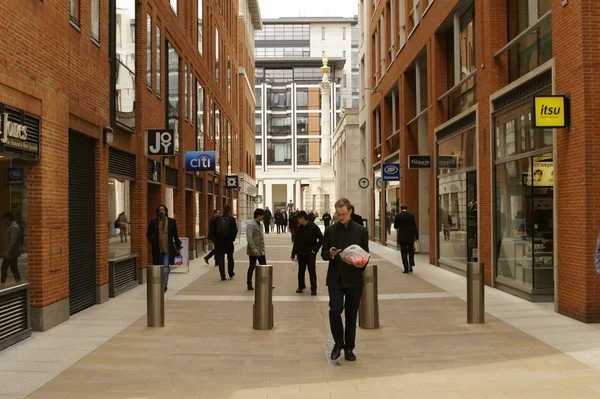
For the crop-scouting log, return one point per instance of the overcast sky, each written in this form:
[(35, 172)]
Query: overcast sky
[(308, 8)]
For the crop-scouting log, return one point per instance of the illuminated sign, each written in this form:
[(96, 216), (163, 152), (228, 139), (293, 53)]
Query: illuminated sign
[(551, 112)]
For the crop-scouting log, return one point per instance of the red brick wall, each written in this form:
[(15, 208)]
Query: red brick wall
[(577, 164)]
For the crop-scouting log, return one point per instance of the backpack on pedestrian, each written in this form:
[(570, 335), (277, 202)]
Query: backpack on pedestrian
[(223, 229)]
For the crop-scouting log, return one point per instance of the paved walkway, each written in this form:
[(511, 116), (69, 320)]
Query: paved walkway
[(208, 349)]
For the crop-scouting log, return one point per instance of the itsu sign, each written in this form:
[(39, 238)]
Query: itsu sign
[(161, 142)]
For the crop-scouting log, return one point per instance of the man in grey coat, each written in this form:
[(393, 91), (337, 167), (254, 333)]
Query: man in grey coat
[(256, 244), (12, 249)]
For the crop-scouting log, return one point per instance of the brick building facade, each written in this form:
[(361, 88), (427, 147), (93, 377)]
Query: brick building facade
[(456, 80), (84, 82)]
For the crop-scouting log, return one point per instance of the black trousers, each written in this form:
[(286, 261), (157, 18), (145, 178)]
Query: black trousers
[(293, 231), (220, 260), (262, 260), (13, 264), (267, 226), (350, 307), (210, 254), (408, 255), (309, 261)]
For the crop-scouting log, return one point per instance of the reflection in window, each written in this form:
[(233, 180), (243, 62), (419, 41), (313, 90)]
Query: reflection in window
[(258, 124), (258, 149), (217, 54), (309, 151), (125, 60), (119, 214), (460, 146), (95, 28), (279, 151), (279, 125), (199, 116), (158, 61), (169, 202), (149, 51), (200, 26), (173, 4), (172, 88), (217, 139)]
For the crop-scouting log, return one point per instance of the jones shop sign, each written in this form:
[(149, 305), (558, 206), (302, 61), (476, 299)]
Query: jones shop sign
[(19, 132)]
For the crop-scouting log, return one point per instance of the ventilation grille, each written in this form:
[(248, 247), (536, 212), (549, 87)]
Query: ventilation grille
[(123, 276), (457, 126), (13, 314), (529, 88), (189, 181), (121, 164), (171, 177)]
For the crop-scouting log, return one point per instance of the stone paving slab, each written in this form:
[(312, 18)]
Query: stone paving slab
[(424, 349)]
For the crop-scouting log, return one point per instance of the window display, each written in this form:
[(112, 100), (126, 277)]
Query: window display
[(119, 216)]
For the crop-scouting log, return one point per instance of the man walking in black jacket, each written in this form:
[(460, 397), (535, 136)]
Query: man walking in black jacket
[(406, 226), (345, 281), (307, 243), (224, 228)]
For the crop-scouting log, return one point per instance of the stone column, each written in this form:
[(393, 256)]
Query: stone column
[(298, 203), (325, 114), (268, 198), (261, 192), (290, 193)]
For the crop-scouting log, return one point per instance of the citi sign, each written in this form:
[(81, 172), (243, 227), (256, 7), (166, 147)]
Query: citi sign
[(200, 161)]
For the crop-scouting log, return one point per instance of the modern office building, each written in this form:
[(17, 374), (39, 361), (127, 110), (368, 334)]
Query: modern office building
[(289, 140), (510, 185), (77, 95)]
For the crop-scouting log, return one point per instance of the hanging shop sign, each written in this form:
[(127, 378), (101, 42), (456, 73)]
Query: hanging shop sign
[(231, 181), (14, 176), (419, 161), (200, 161), (363, 182), (258, 200), (19, 132), (391, 172), (551, 112), (161, 142)]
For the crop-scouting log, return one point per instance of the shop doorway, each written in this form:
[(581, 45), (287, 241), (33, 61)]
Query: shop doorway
[(82, 223)]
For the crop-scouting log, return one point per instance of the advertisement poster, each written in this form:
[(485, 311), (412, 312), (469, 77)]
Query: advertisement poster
[(185, 253)]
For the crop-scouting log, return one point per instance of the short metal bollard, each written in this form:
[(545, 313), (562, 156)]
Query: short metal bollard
[(263, 298), (368, 312), (475, 293), (156, 296)]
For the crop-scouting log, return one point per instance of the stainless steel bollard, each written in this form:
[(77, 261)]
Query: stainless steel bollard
[(368, 312), (156, 296), (475, 293), (263, 298)]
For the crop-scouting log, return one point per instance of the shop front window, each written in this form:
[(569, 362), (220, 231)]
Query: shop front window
[(169, 202), (457, 200), (524, 222), (119, 218), (377, 202), (13, 205)]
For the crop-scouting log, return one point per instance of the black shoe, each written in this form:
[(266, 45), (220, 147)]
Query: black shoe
[(313, 292), (206, 260), (232, 275), (165, 288), (223, 278), (410, 270), (250, 287), (298, 291), (349, 355), (405, 271), (336, 353)]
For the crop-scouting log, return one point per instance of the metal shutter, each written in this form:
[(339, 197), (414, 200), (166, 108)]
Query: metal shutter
[(121, 164), (82, 223), (189, 182), (14, 316), (171, 177)]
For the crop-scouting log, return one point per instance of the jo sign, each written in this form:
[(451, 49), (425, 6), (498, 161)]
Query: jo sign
[(199, 161), (391, 172), (551, 112), (160, 142)]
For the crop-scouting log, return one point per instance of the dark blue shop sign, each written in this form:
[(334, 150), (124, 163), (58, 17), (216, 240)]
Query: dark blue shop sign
[(391, 172), (15, 176), (200, 161)]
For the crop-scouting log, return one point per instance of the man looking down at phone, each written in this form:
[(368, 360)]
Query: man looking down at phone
[(344, 280)]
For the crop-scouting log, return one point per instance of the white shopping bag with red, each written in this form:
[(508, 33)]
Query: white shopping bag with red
[(355, 255)]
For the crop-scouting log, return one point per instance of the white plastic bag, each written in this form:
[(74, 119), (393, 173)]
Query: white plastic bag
[(355, 255)]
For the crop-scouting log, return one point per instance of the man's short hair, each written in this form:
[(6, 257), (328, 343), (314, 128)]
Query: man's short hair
[(226, 210), (215, 211), (403, 207), (302, 214), (343, 202), (8, 215), (259, 212)]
